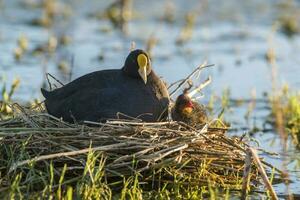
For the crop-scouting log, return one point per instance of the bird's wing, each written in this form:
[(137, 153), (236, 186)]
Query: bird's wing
[(90, 104), (98, 79)]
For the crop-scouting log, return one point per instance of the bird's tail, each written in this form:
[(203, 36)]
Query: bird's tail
[(45, 93)]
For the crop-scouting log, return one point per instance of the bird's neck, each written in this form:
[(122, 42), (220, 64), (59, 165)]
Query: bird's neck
[(152, 76), (134, 74), (128, 71)]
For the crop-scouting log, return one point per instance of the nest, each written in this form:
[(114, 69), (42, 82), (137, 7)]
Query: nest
[(157, 152), (40, 146)]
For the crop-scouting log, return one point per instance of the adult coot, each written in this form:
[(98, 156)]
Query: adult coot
[(189, 111), (135, 91)]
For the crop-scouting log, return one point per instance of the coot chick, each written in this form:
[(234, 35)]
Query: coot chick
[(134, 90), (188, 111)]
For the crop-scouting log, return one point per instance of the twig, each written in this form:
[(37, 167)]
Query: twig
[(64, 154), (174, 83), (72, 67), (200, 87), (189, 76), (190, 83), (141, 123), (48, 74), (50, 86), (163, 153), (246, 176), (263, 174)]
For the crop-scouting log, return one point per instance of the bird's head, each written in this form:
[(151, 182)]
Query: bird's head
[(184, 105), (138, 65)]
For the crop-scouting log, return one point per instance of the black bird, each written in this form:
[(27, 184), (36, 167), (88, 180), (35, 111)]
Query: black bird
[(135, 91), (188, 111)]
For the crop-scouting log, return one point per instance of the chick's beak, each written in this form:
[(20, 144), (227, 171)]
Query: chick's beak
[(143, 62), (187, 110)]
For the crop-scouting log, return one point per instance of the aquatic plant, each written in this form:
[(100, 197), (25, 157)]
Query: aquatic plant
[(288, 19), (119, 13), (169, 12), (288, 104), (49, 47), (289, 25), (22, 47), (6, 97), (51, 10), (186, 32)]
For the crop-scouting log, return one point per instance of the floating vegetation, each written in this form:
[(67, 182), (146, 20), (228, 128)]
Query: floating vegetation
[(150, 44), (169, 13), (48, 13), (288, 18), (270, 55), (64, 67), (187, 31), (51, 10), (65, 39), (18, 53), (49, 47), (22, 46), (289, 25), (120, 13), (23, 42), (44, 156)]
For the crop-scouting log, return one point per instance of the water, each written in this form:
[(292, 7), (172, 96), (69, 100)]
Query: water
[(234, 35)]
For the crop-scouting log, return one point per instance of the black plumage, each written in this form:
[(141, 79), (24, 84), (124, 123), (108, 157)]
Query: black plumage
[(188, 111), (135, 91)]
